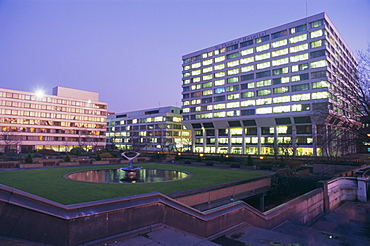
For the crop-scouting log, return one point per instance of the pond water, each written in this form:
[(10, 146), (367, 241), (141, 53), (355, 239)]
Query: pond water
[(145, 175)]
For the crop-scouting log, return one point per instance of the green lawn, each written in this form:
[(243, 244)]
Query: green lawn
[(50, 184)]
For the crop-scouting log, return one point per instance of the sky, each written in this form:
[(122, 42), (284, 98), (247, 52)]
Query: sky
[(130, 51)]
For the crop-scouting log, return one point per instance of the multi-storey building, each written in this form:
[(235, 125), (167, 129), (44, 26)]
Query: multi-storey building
[(68, 118), (158, 129), (288, 89)]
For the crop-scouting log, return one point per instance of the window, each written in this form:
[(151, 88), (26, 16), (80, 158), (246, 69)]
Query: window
[(207, 62), (246, 43), (247, 60), (279, 34), (248, 112), (262, 47), (195, 87), (219, 66), (263, 83), (300, 77), (264, 110), (219, 82), (247, 86), (317, 53), (301, 97), (220, 98), (301, 87), (207, 92), (280, 71), (319, 74), (186, 81), (247, 68), (207, 100), (248, 94), (207, 77), (300, 67), (233, 105), (196, 65), (283, 99), (281, 109), (206, 85), (321, 95), (320, 84), (263, 74), (247, 77), (220, 58), (219, 74), (283, 89), (298, 38), (263, 56), (233, 71), (219, 90), (233, 63), (317, 23), (232, 55), (316, 34), (262, 39), (232, 80), (317, 43), (298, 48), (281, 61), (316, 64), (263, 65), (207, 69), (247, 103), (232, 47), (279, 43), (219, 106), (233, 96), (298, 58), (246, 52), (232, 88), (264, 92), (263, 101), (279, 52), (298, 28), (195, 94)]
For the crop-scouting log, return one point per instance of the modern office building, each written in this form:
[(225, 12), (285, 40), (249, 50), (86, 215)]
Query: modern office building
[(158, 129), (284, 90), (68, 118)]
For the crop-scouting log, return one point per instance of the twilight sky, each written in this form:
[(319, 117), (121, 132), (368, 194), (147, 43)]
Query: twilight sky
[(130, 50)]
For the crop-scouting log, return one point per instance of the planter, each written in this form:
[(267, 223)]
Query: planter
[(100, 162), (30, 165), (73, 163)]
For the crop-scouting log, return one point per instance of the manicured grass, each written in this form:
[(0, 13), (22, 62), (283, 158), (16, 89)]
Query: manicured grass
[(49, 183)]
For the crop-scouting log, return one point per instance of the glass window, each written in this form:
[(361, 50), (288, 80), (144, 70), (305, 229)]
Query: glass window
[(301, 97), (279, 34), (316, 64), (301, 87), (233, 96), (279, 52), (246, 43), (283, 89), (219, 74), (263, 74), (247, 68), (219, 106), (196, 65), (207, 100), (321, 95), (219, 90), (207, 77), (320, 84), (298, 28), (263, 101), (298, 48), (233, 55), (280, 71), (233, 105), (263, 83), (316, 34), (281, 61), (299, 67), (232, 47), (317, 53), (264, 92), (248, 94), (186, 68), (246, 52), (247, 86), (298, 38), (279, 43), (220, 58), (298, 58), (206, 85), (207, 62), (319, 74), (247, 103), (317, 43), (247, 60), (262, 47), (283, 99), (300, 77), (263, 56), (263, 65), (247, 77), (207, 92), (232, 80), (317, 23), (220, 98), (281, 109), (232, 88), (248, 112), (207, 69), (233, 63), (219, 66), (262, 39), (219, 82), (267, 110)]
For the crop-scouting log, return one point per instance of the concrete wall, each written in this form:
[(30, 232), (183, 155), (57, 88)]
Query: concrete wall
[(26, 216)]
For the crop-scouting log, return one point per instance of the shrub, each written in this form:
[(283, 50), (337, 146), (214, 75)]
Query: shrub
[(104, 155), (67, 158), (98, 157), (249, 161), (77, 151), (28, 159)]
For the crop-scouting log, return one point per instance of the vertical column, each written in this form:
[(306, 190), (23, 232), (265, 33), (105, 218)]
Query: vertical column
[(314, 138), (259, 140), (262, 202), (243, 140), (228, 140), (216, 141), (294, 139), (361, 189)]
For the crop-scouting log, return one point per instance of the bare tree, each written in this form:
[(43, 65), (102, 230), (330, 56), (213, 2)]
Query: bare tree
[(10, 138), (363, 94)]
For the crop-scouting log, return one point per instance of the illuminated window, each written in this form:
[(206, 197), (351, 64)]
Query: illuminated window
[(233, 63), (301, 97), (283, 99), (316, 64), (316, 34), (262, 56), (263, 65), (219, 74), (186, 68), (247, 68), (279, 52), (262, 47), (233, 96), (280, 70), (195, 65), (320, 95), (219, 114), (196, 79), (233, 71), (300, 77), (207, 116), (317, 43), (232, 80), (186, 81), (220, 58), (219, 66), (207, 69), (186, 75), (233, 105), (246, 52), (300, 67), (298, 48), (233, 113), (195, 87), (281, 61), (219, 90), (279, 90), (247, 86), (298, 28), (248, 94), (298, 58), (219, 82), (264, 92), (263, 83), (263, 101), (262, 39), (232, 55), (301, 87), (219, 106), (279, 43), (232, 88), (320, 84), (206, 85), (247, 103), (207, 92), (207, 62), (281, 109), (264, 110), (247, 60), (317, 23), (207, 77), (298, 38)]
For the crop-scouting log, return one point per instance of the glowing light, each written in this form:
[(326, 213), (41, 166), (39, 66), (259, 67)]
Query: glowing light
[(40, 93), (227, 156), (201, 155), (178, 153), (261, 157)]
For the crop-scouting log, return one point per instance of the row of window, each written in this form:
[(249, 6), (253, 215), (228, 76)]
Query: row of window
[(145, 120), (27, 97), (21, 121), (255, 140), (145, 127), (258, 40), (37, 106), (148, 134), (17, 130), (23, 113)]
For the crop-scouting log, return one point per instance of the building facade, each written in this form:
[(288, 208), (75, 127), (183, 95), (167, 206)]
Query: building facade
[(159, 129), (286, 90), (66, 119)]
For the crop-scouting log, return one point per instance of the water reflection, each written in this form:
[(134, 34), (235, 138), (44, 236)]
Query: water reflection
[(144, 175)]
